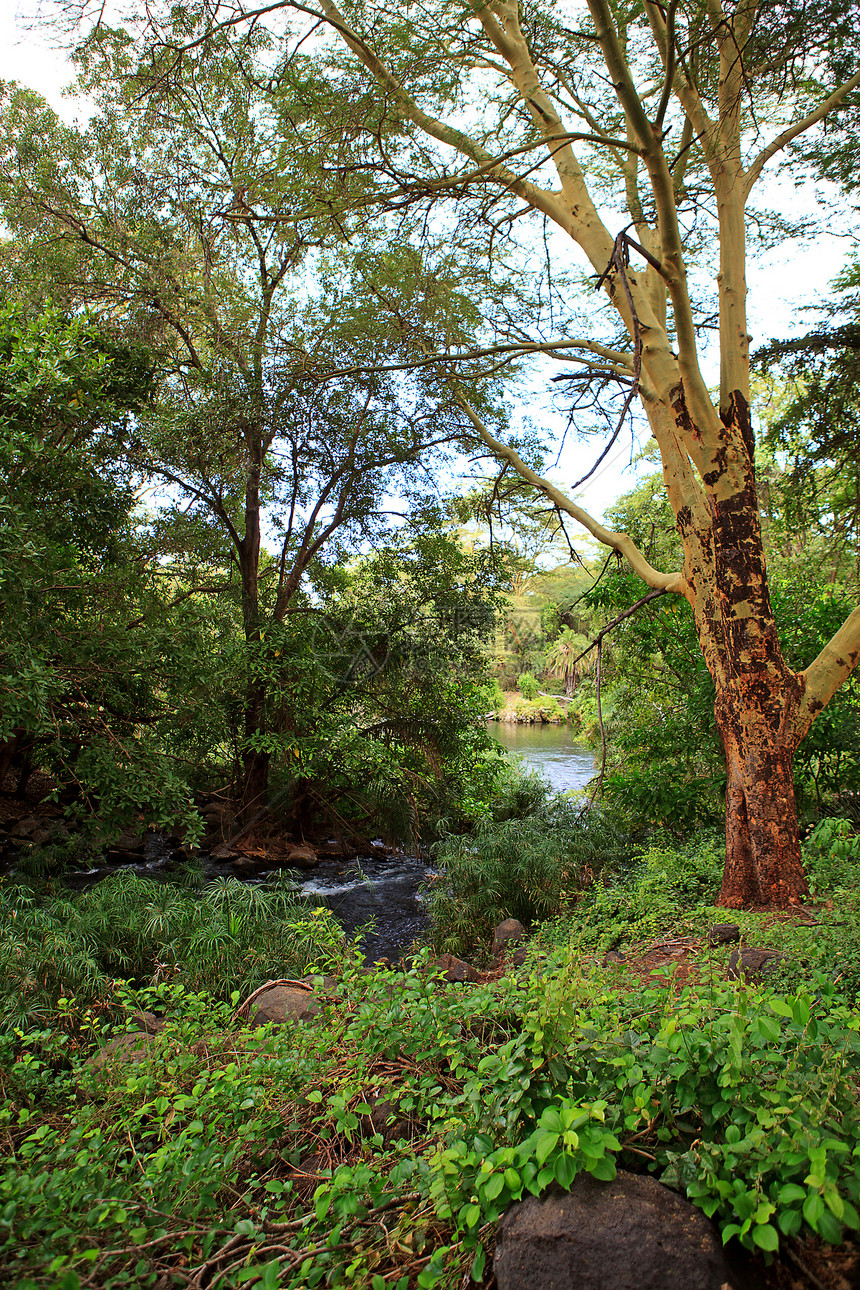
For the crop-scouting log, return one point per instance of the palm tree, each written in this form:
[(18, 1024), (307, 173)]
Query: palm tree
[(563, 659)]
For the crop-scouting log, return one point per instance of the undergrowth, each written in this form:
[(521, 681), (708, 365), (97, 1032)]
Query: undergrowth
[(526, 867), (379, 1145), (220, 937)]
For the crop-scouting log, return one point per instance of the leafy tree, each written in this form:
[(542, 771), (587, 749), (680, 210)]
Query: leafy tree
[(667, 113), (174, 216), (97, 670), (404, 649), (566, 657), (814, 430)]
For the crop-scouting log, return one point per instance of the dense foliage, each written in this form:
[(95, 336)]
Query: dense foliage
[(218, 937), (99, 672), (269, 1157)]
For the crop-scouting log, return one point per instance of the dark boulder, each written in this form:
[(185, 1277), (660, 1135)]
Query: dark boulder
[(506, 935), (724, 934), (753, 964), (302, 858), (628, 1234), (122, 1050)]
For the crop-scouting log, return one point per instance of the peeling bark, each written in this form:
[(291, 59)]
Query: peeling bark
[(763, 864), (758, 695)]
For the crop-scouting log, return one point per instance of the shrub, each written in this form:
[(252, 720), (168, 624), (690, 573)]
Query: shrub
[(220, 937), (656, 890), (742, 1099), (525, 868), (831, 855), (528, 685)]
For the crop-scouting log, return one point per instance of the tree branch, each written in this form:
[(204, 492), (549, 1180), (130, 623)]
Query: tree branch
[(620, 542), (782, 140), (826, 674)]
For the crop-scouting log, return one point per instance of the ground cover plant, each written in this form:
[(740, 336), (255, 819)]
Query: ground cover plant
[(221, 936), (379, 1144)]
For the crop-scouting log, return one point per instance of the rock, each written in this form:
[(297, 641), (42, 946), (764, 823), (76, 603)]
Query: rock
[(629, 1234), (213, 810), (303, 858), (223, 852), (323, 984), (507, 934), (183, 853), (724, 934), (453, 969), (122, 1050), (519, 957), (753, 964), (246, 864), (130, 841), (148, 1022), (26, 827), (283, 1003)]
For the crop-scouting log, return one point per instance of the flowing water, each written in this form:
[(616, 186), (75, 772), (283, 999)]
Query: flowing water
[(383, 895)]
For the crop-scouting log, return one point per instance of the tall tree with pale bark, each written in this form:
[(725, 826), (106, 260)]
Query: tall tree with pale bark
[(632, 136), (631, 128)]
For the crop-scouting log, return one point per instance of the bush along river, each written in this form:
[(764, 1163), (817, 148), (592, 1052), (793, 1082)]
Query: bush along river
[(380, 892)]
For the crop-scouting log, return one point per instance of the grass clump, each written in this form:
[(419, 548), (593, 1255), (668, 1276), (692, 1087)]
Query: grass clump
[(219, 937), (526, 867)]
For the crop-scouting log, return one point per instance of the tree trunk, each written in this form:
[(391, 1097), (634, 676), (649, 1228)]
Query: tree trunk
[(256, 785), (763, 864), (255, 764)]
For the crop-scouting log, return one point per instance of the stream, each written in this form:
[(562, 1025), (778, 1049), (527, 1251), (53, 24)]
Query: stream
[(385, 893), (551, 751), (388, 890)]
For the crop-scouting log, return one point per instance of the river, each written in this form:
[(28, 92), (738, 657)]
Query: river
[(384, 896), (387, 892), (551, 751)]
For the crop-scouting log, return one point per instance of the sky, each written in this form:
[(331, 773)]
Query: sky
[(783, 285)]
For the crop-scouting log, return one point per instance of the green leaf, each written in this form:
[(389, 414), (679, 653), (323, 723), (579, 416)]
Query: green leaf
[(603, 1169), (781, 1008), (551, 1120), (766, 1237), (470, 1215), (270, 1279), (546, 1143), (800, 1010), (322, 1203), (850, 1217), (790, 1192), (813, 1208), (564, 1171), (829, 1228), (790, 1222)]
